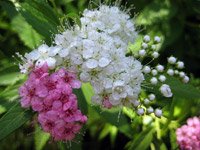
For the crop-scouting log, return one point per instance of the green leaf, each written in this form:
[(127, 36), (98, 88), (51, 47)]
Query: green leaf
[(181, 90), (156, 12), (26, 33), (116, 118), (143, 140), (13, 119), (39, 18), (46, 11), (9, 8), (9, 78), (81, 101), (41, 138)]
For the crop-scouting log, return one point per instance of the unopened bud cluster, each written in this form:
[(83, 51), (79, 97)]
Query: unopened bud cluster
[(157, 75)]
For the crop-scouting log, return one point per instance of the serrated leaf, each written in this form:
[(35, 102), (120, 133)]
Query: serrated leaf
[(41, 138), (46, 11), (13, 119), (26, 33), (39, 20)]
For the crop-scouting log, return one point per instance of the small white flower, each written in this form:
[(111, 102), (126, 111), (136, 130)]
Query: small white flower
[(140, 111), (146, 101), (170, 72), (182, 74), (180, 65), (150, 110), (91, 63), (154, 72), (186, 79), (103, 62), (64, 52), (160, 68), (146, 38), (155, 54), (152, 97), (85, 77), (154, 81), (158, 113), (146, 69), (176, 72), (144, 45), (165, 90), (171, 60), (157, 39), (142, 53), (162, 78)]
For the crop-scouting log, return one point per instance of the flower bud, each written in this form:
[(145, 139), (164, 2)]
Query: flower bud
[(144, 45), (165, 90), (151, 97), (140, 111), (162, 78), (142, 53), (146, 69), (170, 72), (171, 60), (146, 101), (149, 110), (146, 38), (154, 81), (154, 72), (157, 39), (158, 113), (155, 54), (186, 79), (160, 68), (180, 65), (181, 74)]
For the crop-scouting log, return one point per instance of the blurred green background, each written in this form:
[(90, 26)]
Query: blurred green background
[(25, 24)]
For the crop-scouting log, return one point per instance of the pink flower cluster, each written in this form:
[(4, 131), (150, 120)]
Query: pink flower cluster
[(188, 136), (51, 96)]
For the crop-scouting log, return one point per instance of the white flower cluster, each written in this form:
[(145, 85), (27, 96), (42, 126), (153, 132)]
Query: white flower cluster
[(96, 51)]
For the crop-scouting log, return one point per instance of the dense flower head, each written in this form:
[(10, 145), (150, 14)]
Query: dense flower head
[(188, 136), (51, 96), (97, 51)]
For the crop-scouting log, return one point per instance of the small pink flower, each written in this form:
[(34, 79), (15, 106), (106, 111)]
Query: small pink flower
[(37, 104), (188, 136)]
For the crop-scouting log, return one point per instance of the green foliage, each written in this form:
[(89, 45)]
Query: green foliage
[(41, 17), (9, 122), (143, 140), (41, 138)]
